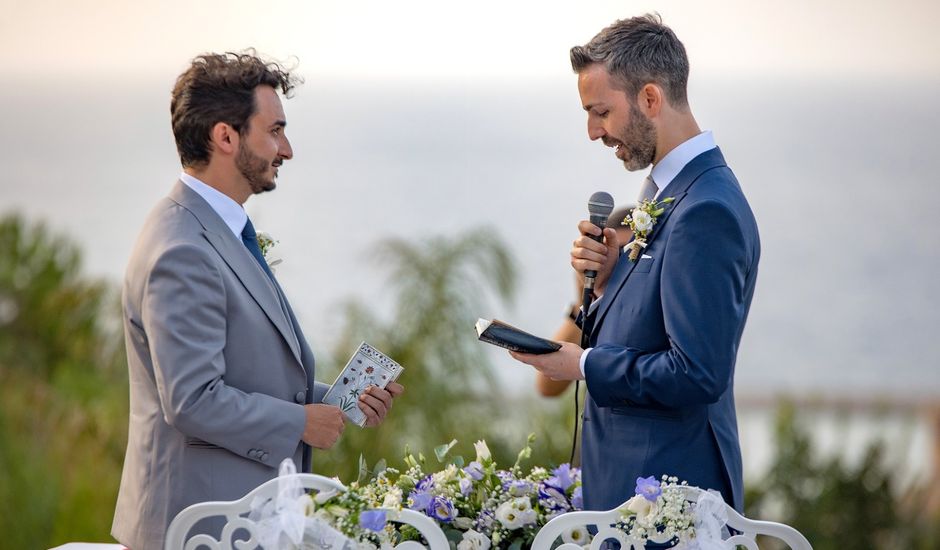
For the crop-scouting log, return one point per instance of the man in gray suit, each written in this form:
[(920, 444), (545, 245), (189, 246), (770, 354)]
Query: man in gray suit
[(221, 378)]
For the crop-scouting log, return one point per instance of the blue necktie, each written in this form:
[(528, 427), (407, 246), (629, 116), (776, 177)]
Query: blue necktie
[(250, 238)]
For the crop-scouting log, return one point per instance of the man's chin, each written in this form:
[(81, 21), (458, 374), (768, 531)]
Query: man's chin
[(264, 188)]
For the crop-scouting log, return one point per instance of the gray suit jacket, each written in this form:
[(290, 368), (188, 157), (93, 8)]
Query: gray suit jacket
[(219, 371)]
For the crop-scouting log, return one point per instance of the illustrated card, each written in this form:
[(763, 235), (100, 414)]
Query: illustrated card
[(367, 367)]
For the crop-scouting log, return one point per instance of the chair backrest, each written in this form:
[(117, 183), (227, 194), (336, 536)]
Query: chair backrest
[(237, 524), (603, 522)]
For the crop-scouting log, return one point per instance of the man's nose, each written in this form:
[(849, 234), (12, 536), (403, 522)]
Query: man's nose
[(595, 131), (285, 150)]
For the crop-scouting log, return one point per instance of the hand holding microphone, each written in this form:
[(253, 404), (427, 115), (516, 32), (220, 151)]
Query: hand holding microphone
[(595, 252)]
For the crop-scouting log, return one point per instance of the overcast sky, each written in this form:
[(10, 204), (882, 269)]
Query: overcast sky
[(427, 39)]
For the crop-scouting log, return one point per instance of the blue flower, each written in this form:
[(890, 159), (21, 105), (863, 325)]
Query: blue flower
[(649, 488), (563, 478), (373, 520), (552, 497), (519, 488), (577, 499), (442, 509), (474, 470), (506, 478), (420, 500), (465, 486)]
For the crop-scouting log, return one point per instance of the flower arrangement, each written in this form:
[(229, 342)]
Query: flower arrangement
[(641, 221), (478, 505), (658, 512)]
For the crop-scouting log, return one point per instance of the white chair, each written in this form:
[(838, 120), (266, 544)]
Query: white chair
[(235, 512), (604, 521)]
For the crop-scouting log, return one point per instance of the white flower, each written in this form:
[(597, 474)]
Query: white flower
[(324, 496), (483, 452), (474, 541), (641, 507), (508, 516), (642, 221), (576, 535), (516, 513), (463, 523), (392, 498)]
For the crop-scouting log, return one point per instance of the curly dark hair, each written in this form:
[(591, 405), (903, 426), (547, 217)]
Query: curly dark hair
[(220, 88), (638, 51)]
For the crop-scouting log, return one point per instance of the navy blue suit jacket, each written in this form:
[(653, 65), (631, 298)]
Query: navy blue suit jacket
[(665, 338)]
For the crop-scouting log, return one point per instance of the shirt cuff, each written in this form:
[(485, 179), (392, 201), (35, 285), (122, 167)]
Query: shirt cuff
[(584, 355)]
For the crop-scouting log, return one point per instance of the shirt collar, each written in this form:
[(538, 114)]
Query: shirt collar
[(230, 211), (668, 168)]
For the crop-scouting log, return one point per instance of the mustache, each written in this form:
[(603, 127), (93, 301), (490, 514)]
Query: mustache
[(610, 142)]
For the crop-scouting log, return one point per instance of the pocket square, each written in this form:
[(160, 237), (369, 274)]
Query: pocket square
[(646, 257)]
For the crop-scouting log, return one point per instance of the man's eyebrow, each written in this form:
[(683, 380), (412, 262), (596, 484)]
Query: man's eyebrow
[(281, 123), (589, 107)]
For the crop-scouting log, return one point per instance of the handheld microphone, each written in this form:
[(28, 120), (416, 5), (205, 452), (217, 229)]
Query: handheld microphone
[(600, 205)]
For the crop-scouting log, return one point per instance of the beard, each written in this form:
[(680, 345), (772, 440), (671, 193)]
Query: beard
[(255, 170), (639, 141)]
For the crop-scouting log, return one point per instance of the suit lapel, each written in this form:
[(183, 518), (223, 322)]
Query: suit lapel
[(240, 260), (678, 188)]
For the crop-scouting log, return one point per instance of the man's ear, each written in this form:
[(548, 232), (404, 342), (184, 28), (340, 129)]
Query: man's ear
[(650, 100), (223, 138)]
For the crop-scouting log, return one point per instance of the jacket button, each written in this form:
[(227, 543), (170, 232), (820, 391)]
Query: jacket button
[(300, 397), (264, 457)]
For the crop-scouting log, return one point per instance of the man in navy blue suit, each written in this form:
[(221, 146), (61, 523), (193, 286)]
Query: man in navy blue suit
[(667, 322)]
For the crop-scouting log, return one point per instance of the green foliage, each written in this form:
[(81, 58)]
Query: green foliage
[(836, 506), (439, 287), (63, 393)]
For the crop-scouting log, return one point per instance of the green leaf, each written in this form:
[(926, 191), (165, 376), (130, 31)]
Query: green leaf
[(380, 467), (363, 470), (441, 450), (516, 545)]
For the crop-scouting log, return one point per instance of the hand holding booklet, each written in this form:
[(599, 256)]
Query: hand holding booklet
[(507, 336), (367, 367)]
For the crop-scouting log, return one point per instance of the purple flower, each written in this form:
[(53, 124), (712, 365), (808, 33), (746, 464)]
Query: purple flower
[(442, 509), (519, 488), (562, 477), (425, 484), (465, 486), (649, 488), (373, 520), (420, 500), (474, 470), (552, 497), (505, 477), (577, 499)]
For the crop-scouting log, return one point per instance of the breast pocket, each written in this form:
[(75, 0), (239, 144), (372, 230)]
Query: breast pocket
[(644, 265)]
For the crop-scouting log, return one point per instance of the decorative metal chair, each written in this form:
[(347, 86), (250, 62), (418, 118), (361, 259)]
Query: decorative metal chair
[(603, 522), (245, 532)]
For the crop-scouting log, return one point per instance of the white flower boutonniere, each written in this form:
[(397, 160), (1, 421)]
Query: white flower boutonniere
[(266, 243), (641, 221)]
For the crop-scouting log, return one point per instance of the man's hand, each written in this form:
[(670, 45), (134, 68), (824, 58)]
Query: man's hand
[(563, 364), (376, 402), (588, 254), (324, 425)]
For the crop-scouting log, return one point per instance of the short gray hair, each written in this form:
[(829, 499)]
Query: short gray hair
[(636, 52)]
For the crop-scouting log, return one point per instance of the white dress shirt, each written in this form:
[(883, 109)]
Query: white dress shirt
[(663, 173), (230, 211)]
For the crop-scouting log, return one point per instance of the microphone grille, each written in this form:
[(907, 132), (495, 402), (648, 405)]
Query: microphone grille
[(600, 204)]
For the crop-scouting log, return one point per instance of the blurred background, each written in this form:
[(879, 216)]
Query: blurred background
[(441, 165)]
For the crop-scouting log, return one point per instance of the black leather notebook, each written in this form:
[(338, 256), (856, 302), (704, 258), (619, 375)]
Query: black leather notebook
[(506, 336)]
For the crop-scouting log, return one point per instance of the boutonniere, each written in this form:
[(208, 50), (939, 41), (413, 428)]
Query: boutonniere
[(266, 243), (641, 221)]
